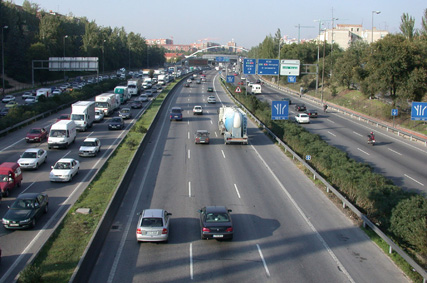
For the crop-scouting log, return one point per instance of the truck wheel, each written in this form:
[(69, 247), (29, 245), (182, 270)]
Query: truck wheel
[(6, 193)]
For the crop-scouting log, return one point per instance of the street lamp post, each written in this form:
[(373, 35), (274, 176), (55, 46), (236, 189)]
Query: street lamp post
[(372, 33), (2, 56), (63, 59), (103, 56)]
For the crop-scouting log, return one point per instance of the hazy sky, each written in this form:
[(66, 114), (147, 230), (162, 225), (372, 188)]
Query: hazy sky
[(248, 22)]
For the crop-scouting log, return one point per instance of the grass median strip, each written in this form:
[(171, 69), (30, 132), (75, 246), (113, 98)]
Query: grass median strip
[(60, 255)]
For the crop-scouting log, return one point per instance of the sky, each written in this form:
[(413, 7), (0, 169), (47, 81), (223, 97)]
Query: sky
[(247, 22)]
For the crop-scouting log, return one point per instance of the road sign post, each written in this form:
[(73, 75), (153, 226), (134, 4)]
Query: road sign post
[(280, 110), (268, 67), (292, 79), (290, 67), (394, 113)]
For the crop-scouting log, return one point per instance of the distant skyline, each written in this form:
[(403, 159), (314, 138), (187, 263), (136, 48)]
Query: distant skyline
[(246, 22)]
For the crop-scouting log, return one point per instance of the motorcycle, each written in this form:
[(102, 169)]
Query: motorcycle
[(371, 140)]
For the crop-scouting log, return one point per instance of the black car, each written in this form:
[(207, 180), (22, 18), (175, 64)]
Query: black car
[(116, 123), (25, 211), (187, 85), (176, 114), (136, 104), (4, 112), (312, 113), (300, 107), (210, 89), (287, 99), (216, 223)]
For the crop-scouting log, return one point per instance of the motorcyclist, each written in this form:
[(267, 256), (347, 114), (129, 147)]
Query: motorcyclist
[(371, 136), (325, 107)]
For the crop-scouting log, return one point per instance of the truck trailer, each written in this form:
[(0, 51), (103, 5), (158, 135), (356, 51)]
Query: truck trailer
[(134, 86), (232, 123)]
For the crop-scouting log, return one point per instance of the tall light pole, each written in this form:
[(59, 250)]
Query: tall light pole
[(103, 56), (372, 34), (2, 56), (63, 60)]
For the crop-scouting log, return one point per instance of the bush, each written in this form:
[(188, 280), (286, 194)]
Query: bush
[(409, 222), (31, 274)]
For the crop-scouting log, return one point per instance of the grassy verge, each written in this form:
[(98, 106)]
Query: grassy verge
[(397, 259), (60, 255)]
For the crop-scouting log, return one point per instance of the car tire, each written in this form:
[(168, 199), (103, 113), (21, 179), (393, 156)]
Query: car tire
[(201, 236), (46, 209), (33, 223)]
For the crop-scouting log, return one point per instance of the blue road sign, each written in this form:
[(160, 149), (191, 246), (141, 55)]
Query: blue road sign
[(230, 79), (268, 67), (308, 157), (249, 66), (419, 111), (222, 59), (394, 112), (292, 79), (280, 110)]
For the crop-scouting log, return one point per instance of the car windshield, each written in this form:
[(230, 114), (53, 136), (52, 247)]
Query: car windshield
[(89, 143), (217, 217), (29, 155), (125, 111), (35, 131), (116, 120), (176, 110), (3, 178), (23, 204), (63, 116), (152, 222), (77, 117), (57, 133), (62, 165)]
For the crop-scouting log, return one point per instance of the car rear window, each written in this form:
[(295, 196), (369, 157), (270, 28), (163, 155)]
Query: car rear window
[(152, 222), (176, 110), (217, 217)]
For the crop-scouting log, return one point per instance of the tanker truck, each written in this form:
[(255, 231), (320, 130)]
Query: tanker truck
[(232, 123)]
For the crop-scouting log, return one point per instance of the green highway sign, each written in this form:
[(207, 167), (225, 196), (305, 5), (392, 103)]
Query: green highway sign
[(289, 67)]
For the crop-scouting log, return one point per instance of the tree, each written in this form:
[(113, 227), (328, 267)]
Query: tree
[(407, 26), (423, 31)]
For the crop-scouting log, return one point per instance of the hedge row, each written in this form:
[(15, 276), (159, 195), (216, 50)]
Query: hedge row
[(400, 214)]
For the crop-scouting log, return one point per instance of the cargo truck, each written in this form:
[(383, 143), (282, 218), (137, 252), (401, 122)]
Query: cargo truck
[(106, 102), (83, 114), (134, 87), (62, 134), (123, 92), (232, 123)]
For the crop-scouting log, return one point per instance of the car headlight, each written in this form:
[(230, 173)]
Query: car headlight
[(5, 221)]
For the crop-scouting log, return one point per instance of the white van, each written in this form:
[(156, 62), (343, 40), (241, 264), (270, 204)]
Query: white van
[(62, 134), (255, 89)]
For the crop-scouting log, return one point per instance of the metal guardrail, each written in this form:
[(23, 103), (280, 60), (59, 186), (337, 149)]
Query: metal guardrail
[(345, 202), (379, 124)]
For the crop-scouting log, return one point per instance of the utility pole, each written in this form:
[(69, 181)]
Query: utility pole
[(299, 31)]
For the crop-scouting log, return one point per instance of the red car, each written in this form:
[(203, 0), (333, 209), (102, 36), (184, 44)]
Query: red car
[(36, 135), (241, 83), (63, 117)]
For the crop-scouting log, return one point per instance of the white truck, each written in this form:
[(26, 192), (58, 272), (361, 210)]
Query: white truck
[(232, 123), (43, 92), (62, 134), (106, 102), (255, 89), (83, 114), (134, 86), (161, 79)]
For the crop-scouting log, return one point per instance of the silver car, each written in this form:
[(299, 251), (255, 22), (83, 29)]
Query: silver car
[(153, 225)]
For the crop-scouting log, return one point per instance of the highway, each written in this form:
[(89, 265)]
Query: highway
[(19, 246), (286, 230), (401, 160)]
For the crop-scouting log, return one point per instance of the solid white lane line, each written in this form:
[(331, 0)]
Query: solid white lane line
[(394, 151), (330, 121), (191, 261), (7, 147), (189, 189), (360, 135), (413, 180), (332, 134), (306, 219), (188, 154), (237, 190), (223, 153), (363, 151), (263, 260)]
